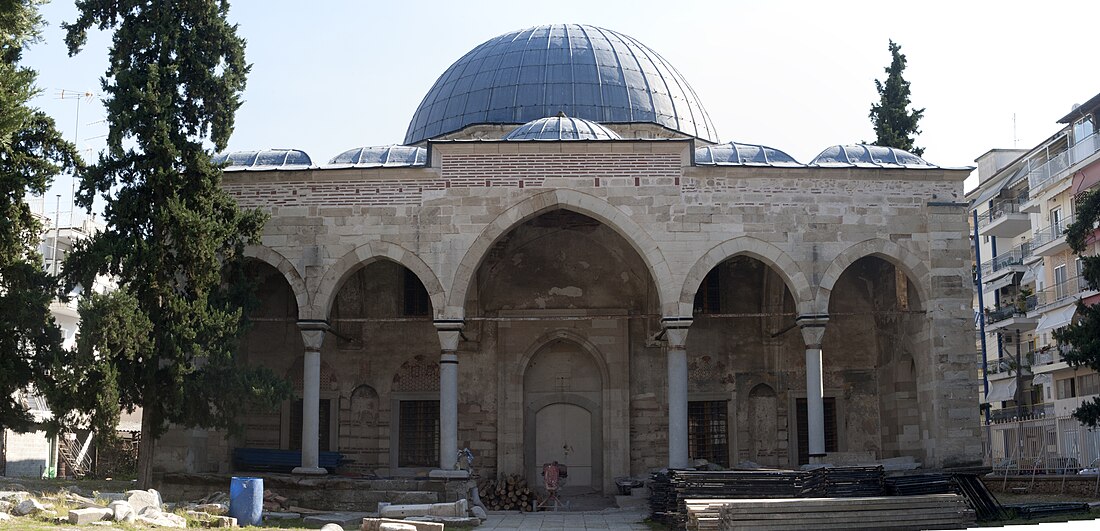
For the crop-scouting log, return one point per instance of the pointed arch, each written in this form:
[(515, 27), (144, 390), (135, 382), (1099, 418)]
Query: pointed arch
[(909, 262), (274, 259), (567, 335), (575, 201), (364, 255), (763, 251)]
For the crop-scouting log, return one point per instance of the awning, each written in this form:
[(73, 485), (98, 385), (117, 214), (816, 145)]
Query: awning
[(1045, 378), (1001, 390), (1028, 276), (1056, 319), (1086, 178), (1006, 280)]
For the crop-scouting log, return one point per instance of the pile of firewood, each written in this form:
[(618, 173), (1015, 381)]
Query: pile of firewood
[(509, 493)]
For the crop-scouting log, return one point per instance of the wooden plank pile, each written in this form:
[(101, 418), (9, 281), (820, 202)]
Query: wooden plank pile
[(853, 481), (933, 511), (509, 493), (915, 484)]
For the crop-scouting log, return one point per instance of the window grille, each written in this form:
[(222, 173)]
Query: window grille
[(831, 441), (418, 435), (322, 425), (707, 431)]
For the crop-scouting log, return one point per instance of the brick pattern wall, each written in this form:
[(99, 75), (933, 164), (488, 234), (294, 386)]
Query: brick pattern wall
[(502, 170)]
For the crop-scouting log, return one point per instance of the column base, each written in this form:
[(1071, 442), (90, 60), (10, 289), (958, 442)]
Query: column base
[(309, 471)]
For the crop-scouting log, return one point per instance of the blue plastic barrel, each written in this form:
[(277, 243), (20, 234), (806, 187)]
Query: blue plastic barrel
[(246, 500)]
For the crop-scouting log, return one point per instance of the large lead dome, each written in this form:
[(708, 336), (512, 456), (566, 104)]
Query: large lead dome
[(584, 71)]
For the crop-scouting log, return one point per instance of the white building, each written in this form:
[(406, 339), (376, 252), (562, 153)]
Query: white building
[(1030, 280)]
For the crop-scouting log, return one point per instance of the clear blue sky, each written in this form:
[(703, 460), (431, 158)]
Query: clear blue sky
[(328, 76)]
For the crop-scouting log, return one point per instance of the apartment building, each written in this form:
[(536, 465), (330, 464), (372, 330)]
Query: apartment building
[(1028, 279)]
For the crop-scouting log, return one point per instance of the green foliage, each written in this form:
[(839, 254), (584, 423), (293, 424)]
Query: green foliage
[(167, 339), (1083, 336), (895, 125), (32, 151)]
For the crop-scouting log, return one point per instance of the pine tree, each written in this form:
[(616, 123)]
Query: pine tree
[(895, 125), (166, 339), (1083, 336), (32, 151)]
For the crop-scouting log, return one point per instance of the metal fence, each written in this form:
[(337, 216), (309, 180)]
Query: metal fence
[(1048, 445)]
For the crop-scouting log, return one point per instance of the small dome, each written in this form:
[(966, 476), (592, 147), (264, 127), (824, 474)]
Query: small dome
[(562, 127), (393, 156), (868, 156), (735, 154), (588, 72), (268, 159)]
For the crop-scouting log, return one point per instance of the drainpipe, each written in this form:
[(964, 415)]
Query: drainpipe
[(981, 311)]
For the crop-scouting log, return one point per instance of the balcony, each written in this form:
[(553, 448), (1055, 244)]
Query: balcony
[(1011, 317), (1011, 414), (1043, 175), (1052, 170), (1051, 240), (1062, 292), (1005, 263), (1004, 219)]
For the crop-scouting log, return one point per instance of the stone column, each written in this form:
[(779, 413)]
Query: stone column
[(813, 329), (450, 332), (313, 334), (676, 329)]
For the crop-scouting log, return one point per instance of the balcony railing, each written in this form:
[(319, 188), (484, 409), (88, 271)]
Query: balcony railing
[(1059, 292), (1010, 310), (1014, 257), (1025, 412), (1053, 168), (1051, 232), (1001, 208)]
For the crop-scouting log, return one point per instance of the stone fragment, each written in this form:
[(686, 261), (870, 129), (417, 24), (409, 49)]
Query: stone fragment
[(375, 524), (276, 515), (449, 521), (349, 520), (479, 513), (83, 502), (458, 508), (331, 527), (5, 506), (155, 517), (4, 517), (213, 508), (391, 526), (122, 511), (141, 499), (89, 515), (15, 496), (28, 507), (110, 496)]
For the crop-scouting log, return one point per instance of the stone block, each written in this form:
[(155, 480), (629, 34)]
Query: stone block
[(140, 499), (346, 520), (122, 511), (89, 515), (28, 507)]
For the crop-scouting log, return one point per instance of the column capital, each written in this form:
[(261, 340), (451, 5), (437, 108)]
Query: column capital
[(313, 333), (813, 328), (450, 333), (676, 330)]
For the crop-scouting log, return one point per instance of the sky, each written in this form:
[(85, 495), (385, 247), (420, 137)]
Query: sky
[(332, 75)]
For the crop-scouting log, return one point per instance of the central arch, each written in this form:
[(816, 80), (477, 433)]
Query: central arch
[(585, 204)]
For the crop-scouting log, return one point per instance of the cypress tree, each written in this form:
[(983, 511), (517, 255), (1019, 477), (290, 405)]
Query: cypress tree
[(32, 151), (895, 125), (166, 339)]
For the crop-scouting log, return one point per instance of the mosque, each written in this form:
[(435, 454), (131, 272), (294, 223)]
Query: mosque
[(563, 261)]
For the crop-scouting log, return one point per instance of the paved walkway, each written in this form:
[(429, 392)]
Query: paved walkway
[(609, 519)]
